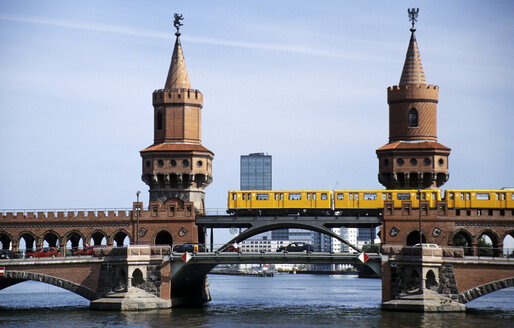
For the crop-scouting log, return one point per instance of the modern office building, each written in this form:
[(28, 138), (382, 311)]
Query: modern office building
[(256, 172)]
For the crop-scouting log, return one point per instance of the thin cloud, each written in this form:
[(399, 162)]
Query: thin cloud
[(122, 30)]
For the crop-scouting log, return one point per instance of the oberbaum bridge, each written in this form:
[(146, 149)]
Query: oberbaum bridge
[(177, 168)]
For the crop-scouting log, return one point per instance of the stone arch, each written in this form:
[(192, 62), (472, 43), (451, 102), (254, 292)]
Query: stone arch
[(163, 237), (476, 292), (19, 276), (508, 252), (494, 250), (6, 240), (137, 278), (118, 237), (51, 237), (29, 239), (462, 238), (431, 281), (412, 238), (412, 280), (74, 236), (97, 235)]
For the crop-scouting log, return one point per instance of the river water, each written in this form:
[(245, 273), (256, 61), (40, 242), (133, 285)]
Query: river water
[(281, 301)]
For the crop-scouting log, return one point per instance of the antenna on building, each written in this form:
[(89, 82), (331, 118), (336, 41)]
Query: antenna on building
[(413, 15)]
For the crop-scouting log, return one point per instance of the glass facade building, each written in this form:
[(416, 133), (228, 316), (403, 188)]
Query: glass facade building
[(255, 172)]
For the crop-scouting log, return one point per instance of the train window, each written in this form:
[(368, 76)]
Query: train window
[(370, 196), (295, 196), (434, 196), (462, 196), (308, 196), (389, 196), (512, 196), (324, 196), (262, 196), (403, 196), (423, 196), (503, 196), (341, 196), (356, 197), (351, 196), (276, 196), (452, 195), (497, 196), (249, 196), (314, 196), (483, 196), (234, 196), (281, 196), (383, 196), (467, 196)]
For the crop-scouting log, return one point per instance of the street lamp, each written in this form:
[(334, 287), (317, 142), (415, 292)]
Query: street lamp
[(137, 215)]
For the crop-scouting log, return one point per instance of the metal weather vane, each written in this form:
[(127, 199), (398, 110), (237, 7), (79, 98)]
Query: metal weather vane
[(177, 23), (413, 15)]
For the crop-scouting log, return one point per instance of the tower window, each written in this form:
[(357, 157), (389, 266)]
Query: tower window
[(413, 161), (413, 118), (160, 163), (185, 163), (386, 162), (426, 161), (399, 161), (173, 163), (159, 120), (441, 161)]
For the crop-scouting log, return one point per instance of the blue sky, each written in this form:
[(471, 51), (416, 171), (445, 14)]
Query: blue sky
[(301, 80)]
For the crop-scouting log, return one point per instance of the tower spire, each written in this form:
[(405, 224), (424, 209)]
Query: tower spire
[(412, 68), (177, 75)]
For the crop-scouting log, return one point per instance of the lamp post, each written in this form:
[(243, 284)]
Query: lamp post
[(419, 210), (137, 215)]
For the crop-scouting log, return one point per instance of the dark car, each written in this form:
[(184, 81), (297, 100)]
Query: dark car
[(232, 248), (191, 248), (43, 252), (7, 254), (88, 250), (296, 247)]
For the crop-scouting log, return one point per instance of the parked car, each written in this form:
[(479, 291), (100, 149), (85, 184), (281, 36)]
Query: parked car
[(192, 248), (232, 248), (43, 252), (89, 250), (427, 245), (7, 254), (296, 247)]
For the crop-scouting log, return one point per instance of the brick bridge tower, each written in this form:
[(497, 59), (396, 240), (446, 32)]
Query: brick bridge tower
[(413, 158), (177, 166)]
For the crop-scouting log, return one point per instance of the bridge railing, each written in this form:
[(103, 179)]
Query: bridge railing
[(66, 211), (216, 211)]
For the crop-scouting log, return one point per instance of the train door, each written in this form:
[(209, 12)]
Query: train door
[(279, 199), (451, 199), (503, 199), (467, 199)]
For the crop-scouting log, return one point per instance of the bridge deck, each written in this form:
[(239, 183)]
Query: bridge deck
[(228, 221)]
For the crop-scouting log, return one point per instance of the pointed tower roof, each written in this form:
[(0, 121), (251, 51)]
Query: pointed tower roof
[(412, 69), (177, 74)]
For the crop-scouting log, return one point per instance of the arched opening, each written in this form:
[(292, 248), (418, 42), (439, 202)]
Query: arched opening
[(74, 240), (5, 241), (487, 244), (464, 240), (98, 238), (51, 239), (121, 238), (413, 281), (159, 120), (27, 242), (137, 278), (163, 238), (413, 238), (431, 282), (413, 118), (508, 245)]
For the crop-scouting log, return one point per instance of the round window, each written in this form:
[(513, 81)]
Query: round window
[(441, 161), (160, 163), (399, 161), (426, 161), (413, 161), (173, 163), (185, 163), (199, 163)]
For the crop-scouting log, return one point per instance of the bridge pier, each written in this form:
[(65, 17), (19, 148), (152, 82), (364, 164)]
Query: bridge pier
[(417, 279)]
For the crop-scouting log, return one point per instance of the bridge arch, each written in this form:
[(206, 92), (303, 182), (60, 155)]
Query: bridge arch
[(29, 238), (118, 237), (413, 238), (258, 228), (462, 238), (49, 236), (5, 240), (20, 276), (74, 237), (163, 237), (484, 250), (97, 235), (476, 292)]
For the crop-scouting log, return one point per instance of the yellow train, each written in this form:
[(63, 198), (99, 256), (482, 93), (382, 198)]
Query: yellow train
[(322, 202)]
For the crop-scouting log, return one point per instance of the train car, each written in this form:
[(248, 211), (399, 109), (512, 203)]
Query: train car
[(374, 199), (480, 199), (274, 202)]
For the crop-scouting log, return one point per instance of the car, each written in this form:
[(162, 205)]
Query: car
[(7, 254), (88, 250), (191, 248), (296, 247), (424, 245), (232, 248), (43, 252)]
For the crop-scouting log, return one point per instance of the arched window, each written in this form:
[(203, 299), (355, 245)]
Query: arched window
[(159, 120), (413, 118)]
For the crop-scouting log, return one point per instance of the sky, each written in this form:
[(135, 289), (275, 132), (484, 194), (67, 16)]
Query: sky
[(303, 81)]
